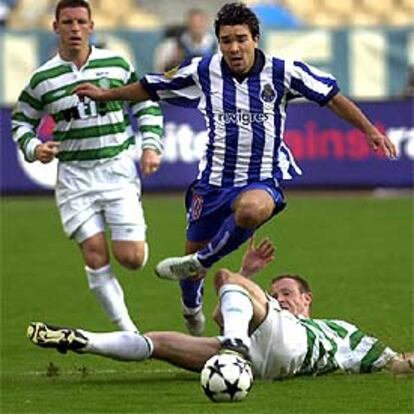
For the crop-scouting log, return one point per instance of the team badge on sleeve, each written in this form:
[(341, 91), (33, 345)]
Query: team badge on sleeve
[(171, 73), (268, 94)]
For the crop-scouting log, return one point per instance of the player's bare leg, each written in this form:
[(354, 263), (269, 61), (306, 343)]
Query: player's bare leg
[(183, 350), (250, 210)]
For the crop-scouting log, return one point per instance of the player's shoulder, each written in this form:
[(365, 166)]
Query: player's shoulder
[(193, 63), (272, 63), (187, 68), (49, 64), (344, 328), (278, 60), (110, 56), (45, 70)]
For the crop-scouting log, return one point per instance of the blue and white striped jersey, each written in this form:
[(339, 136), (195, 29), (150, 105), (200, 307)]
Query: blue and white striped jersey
[(245, 119)]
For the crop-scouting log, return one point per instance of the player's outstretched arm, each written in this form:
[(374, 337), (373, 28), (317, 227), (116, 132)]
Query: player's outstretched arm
[(347, 110), (256, 258), (134, 92), (402, 364)]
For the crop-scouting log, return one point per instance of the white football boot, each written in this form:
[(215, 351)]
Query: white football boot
[(178, 268)]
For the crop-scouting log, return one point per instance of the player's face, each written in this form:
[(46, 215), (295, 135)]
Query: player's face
[(237, 46), (73, 27), (289, 296)]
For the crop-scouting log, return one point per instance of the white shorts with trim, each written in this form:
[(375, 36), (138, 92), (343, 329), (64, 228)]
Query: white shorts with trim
[(107, 193), (279, 344)]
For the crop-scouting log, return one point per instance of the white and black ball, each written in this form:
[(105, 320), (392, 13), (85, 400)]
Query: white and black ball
[(226, 377)]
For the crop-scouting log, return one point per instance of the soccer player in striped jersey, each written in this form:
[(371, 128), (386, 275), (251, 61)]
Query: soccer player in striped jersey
[(273, 330), (97, 183), (243, 95)]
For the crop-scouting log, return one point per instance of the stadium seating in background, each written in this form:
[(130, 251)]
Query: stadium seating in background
[(401, 17), (6, 7), (107, 14), (408, 5), (125, 13), (381, 8), (273, 15), (28, 14), (340, 13), (148, 14), (325, 18), (303, 9)]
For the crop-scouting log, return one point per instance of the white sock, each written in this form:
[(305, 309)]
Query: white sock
[(237, 311), (123, 346), (108, 291)]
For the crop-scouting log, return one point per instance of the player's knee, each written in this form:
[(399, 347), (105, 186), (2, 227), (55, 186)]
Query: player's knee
[(95, 258), (133, 259), (250, 215), (222, 277)]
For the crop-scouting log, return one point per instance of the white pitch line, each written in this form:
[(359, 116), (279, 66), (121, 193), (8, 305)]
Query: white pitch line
[(92, 371)]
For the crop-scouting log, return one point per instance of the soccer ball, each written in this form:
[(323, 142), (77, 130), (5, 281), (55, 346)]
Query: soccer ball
[(226, 377)]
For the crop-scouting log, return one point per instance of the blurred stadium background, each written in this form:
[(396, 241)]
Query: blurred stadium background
[(367, 44), (356, 250)]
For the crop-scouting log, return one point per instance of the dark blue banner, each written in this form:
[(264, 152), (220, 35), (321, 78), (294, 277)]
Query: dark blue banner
[(331, 153)]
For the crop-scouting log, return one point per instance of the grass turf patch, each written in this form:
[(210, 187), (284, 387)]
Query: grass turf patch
[(356, 252)]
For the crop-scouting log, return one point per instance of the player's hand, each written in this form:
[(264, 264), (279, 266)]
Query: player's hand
[(47, 152), (402, 364), (379, 141), (256, 258), (91, 91), (150, 162)]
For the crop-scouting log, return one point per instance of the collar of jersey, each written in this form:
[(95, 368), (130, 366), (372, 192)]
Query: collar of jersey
[(70, 63)]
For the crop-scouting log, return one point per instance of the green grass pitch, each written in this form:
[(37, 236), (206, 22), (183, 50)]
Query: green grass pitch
[(357, 251)]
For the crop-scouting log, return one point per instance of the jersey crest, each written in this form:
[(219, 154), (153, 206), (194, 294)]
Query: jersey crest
[(268, 94)]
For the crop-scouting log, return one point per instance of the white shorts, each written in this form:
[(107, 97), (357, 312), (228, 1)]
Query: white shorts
[(90, 196), (279, 344)]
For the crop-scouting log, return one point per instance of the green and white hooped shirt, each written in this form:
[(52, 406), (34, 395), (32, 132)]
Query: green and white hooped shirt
[(87, 130), (333, 344)]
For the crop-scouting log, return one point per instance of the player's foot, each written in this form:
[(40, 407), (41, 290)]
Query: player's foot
[(195, 322), (62, 339), (235, 345), (178, 268), (402, 364)]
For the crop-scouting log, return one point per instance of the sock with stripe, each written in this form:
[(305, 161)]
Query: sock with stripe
[(229, 237), (192, 293)]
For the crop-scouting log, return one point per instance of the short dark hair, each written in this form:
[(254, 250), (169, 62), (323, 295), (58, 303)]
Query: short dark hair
[(64, 4), (304, 286), (237, 13)]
